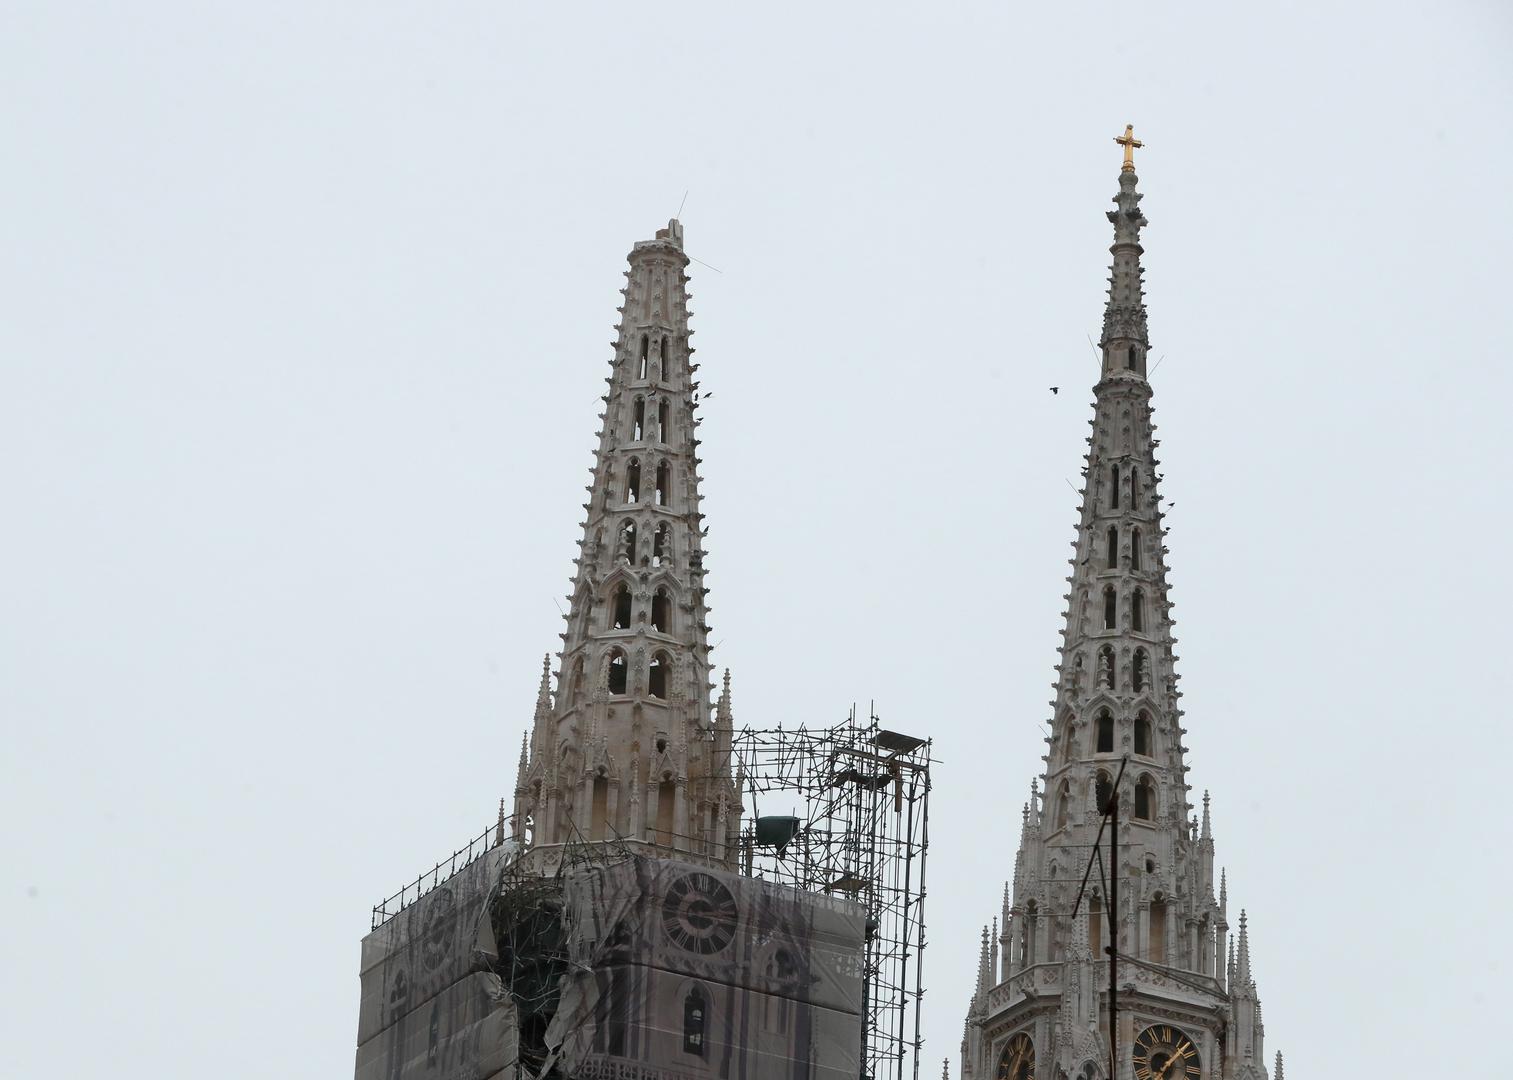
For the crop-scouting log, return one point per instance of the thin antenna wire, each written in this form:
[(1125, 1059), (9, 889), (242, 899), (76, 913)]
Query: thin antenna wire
[(1090, 345), (1158, 363), (701, 262), (679, 214)]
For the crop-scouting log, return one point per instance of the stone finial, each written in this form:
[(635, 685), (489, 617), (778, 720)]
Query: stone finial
[(1242, 969), (1208, 832), (499, 828), (945, 1069), (1276, 1074)]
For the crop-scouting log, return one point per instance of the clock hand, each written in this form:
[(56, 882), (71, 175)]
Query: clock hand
[(1177, 1055)]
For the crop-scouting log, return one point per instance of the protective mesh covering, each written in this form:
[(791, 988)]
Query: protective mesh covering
[(678, 970), (431, 1004)]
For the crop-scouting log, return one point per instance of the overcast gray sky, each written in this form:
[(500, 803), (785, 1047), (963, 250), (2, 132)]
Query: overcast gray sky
[(304, 311)]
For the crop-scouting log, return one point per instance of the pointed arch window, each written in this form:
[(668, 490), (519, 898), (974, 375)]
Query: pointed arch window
[(661, 545), (1145, 798), (661, 610), (1110, 608), (695, 1018), (1140, 672), (1134, 489), (1069, 740), (1143, 734), (1114, 486), (1158, 929), (633, 481), (1134, 549), (620, 608), (1137, 611), (1063, 804), (645, 351), (628, 542), (664, 482), (615, 678), (1095, 924), (638, 421), (664, 417), (1106, 667), (1105, 733), (656, 675), (1113, 547), (575, 684), (1103, 791), (1130, 359), (662, 357)]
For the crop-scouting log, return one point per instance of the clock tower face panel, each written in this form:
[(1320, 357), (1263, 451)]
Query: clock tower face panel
[(699, 914), (1163, 1052), (1018, 1060)]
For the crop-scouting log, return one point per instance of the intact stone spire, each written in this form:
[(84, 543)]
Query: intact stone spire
[(1117, 704), (629, 750)]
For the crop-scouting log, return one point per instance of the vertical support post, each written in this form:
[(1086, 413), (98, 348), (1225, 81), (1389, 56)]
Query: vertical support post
[(1113, 936)]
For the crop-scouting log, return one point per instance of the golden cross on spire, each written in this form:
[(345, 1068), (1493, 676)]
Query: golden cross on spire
[(1130, 144)]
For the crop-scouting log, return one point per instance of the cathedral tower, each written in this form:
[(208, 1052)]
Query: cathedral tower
[(629, 749), (1188, 1008)]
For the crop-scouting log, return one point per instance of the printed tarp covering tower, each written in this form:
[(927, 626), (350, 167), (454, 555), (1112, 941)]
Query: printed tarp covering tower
[(431, 1007), (682, 971)]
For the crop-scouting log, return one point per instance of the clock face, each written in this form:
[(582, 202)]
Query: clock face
[(699, 914), (1018, 1060), (1163, 1052)]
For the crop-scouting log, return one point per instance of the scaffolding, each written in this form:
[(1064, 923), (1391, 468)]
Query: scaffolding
[(844, 811)]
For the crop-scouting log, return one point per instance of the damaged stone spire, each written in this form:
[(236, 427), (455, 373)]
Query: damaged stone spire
[(634, 678)]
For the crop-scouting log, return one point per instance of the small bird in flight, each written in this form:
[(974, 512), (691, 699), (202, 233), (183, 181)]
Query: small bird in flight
[(1055, 389)]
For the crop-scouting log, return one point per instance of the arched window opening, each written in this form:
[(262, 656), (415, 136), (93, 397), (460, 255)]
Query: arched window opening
[(1027, 952), (633, 481), (781, 970), (620, 609), (1137, 611), (638, 422), (645, 347), (1063, 804), (656, 676), (1143, 735), (1106, 667), (1141, 676), (661, 545), (1130, 360), (1114, 486), (1113, 547), (664, 482), (695, 1012), (661, 611), (1069, 741), (664, 416), (667, 795), (1095, 925), (616, 679), (1145, 798), (628, 542), (1103, 791), (1134, 549), (1134, 489), (1110, 608), (1158, 930), (1105, 733), (598, 827), (662, 357)]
